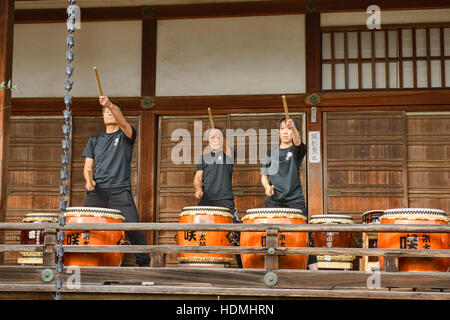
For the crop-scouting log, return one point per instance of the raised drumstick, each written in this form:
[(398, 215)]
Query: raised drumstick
[(211, 120), (286, 112), (98, 81)]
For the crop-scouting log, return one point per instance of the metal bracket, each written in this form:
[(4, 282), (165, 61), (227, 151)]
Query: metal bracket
[(270, 279), (47, 275)]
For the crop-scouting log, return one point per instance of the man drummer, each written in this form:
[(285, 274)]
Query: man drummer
[(213, 177), (280, 175), (110, 152)]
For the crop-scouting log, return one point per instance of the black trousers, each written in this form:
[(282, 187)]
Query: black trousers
[(270, 203), (229, 204), (120, 199)]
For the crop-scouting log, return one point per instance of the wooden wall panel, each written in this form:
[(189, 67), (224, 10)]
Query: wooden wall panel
[(382, 160), (175, 188), (428, 147), (363, 162)]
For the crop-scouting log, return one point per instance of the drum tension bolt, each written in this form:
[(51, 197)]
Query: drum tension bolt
[(271, 250), (270, 279)]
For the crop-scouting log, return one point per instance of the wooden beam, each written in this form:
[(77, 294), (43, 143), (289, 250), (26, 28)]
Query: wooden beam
[(6, 59), (314, 85), (148, 64), (224, 9)]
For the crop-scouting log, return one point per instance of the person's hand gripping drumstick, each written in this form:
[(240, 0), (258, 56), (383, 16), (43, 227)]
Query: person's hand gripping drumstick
[(270, 190)]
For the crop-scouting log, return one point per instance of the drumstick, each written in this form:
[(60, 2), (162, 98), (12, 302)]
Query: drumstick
[(286, 112), (211, 118), (91, 181), (98, 81), (272, 188)]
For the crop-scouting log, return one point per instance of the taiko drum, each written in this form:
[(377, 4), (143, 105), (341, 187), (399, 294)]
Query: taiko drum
[(415, 241), (285, 239), (332, 239), (35, 236), (93, 215), (199, 215)]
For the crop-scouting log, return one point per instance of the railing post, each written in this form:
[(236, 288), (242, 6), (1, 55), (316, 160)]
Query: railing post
[(49, 247), (271, 260), (158, 260), (390, 264)]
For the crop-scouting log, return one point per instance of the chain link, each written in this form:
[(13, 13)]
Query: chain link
[(65, 157)]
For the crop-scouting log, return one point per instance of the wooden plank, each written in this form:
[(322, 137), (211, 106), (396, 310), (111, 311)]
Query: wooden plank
[(216, 10), (132, 292), (148, 64), (6, 60), (313, 56), (233, 227), (232, 277), (260, 250)]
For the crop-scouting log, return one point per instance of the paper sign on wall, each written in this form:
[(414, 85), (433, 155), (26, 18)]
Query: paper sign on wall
[(314, 147)]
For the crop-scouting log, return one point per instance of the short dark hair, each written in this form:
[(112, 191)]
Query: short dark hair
[(284, 119), (114, 103)]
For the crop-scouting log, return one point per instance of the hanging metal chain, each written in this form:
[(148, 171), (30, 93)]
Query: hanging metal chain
[(66, 129)]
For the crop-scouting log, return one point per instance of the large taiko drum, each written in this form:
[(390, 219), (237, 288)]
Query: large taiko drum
[(35, 236), (333, 240), (204, 214), (285, 239), (415, 240), (108, 237)]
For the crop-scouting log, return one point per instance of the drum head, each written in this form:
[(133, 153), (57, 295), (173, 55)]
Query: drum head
[(331, 218), (415, 214), (199, 210), (41, 217), (274, 213), (93, 212)]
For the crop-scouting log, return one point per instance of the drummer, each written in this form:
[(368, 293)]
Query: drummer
[(110, 152), (213, 177), (214, 173), (282, 186)]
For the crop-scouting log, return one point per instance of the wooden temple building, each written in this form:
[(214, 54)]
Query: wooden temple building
[(372, 100)]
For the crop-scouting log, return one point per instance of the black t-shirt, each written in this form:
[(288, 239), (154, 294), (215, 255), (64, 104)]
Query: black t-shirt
[(112, 157), (284, 172), (217, 176)]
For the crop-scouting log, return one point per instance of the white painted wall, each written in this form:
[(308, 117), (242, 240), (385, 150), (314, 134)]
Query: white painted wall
[(114, 47), (221, 56)]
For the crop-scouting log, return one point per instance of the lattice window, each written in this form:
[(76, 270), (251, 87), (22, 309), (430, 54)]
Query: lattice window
[(400, 56)]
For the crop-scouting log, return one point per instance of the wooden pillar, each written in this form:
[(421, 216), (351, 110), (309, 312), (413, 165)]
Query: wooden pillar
[(148, 136), (6, 58), (314, 116)]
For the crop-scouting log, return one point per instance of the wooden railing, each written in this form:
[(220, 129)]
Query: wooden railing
[(268, 282)]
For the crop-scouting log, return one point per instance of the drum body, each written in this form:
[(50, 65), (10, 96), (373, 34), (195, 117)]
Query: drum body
[(35, 236), (416, 240), (333, 240), (285, 239), (93, 215), (198, 215)]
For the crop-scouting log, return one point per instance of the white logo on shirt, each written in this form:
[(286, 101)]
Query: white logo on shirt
[(116, 142), (289, 155)]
